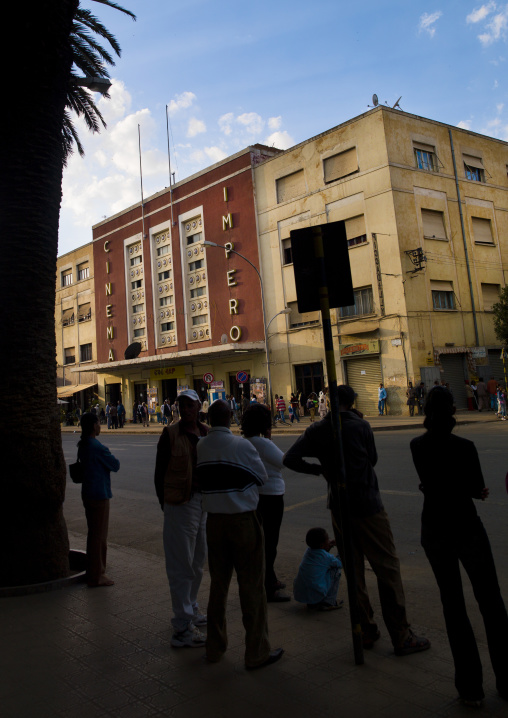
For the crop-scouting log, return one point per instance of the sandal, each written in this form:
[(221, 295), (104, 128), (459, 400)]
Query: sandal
[(369, 638), (412, 644)]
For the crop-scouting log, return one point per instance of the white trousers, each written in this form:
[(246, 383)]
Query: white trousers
[(184, 538)]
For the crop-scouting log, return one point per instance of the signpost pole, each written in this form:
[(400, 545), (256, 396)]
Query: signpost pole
[(339, 498)]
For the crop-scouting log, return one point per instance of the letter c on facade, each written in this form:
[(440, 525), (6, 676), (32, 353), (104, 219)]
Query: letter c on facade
[(106, 246)]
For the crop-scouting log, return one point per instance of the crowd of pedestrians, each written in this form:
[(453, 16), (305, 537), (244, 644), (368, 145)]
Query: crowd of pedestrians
[(223, 495)]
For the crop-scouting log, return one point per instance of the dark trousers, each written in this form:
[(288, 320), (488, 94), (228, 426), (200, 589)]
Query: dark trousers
[(472, 549), (373, 540), (235, 542), (270, 512), (97, 519)]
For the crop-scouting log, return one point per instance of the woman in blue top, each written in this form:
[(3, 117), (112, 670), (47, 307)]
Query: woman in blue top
[(97, 463)]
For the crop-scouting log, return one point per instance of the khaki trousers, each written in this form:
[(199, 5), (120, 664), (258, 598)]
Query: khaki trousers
[(373, 540), (97, 519), (235, 541)]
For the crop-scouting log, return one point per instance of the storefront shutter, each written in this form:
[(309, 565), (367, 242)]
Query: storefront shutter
[(364, 376), (454, 366)]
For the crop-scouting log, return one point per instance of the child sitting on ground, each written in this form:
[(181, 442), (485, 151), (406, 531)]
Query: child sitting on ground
[(317, 582)]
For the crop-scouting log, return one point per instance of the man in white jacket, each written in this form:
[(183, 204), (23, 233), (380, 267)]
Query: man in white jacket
[(229, 472)]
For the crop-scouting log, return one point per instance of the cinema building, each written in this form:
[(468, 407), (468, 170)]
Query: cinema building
[(192, 311)]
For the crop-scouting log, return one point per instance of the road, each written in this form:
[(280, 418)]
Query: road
[(136, 518)]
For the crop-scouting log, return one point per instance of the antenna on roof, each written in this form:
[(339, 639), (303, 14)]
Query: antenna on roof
[(375, 101)]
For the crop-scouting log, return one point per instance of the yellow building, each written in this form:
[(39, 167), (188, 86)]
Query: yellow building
[(426, 212), (75, 328)]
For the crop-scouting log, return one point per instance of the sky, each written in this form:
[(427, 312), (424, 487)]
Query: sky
[(275, 72)]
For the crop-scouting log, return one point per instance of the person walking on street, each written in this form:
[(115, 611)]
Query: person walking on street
[(120, 410), (296, 407), (421, 393), (311, 406), (381, 400), (371, 532), (322, 407), (411, 398), (281, 408), (97, 462), (113, 413), (183, 535), (452, 534), (230, 472), (492, 388), (482, 395)]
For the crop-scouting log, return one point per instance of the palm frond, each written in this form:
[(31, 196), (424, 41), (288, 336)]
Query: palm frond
[(116, 7), (86, 18), (82, 38), (69, 139)]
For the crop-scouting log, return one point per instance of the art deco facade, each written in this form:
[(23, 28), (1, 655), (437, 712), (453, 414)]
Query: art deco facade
[(76, 348), (426, 212)]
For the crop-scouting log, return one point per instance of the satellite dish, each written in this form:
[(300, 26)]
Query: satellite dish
[(397, 104), (375, 100), (133, 350)]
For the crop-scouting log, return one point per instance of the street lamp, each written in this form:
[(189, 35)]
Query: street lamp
[(283, 311), (95, 84)]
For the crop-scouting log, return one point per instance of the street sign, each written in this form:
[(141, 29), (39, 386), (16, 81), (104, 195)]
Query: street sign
[(242, 377), (208, 378)]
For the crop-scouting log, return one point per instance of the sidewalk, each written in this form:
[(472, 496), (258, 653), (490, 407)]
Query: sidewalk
[(378, 423), (80, 652)]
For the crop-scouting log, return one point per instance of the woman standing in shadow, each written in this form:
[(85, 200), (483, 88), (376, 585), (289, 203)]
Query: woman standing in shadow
[(452, 534), (97, 462)]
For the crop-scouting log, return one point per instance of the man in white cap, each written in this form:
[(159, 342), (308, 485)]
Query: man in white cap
[(184, 534)]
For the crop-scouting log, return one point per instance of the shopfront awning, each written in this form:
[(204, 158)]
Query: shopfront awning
[(63, 391)]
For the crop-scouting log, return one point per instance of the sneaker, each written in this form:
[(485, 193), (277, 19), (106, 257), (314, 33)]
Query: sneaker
[(200, 619), (412, 644), (190, 637)]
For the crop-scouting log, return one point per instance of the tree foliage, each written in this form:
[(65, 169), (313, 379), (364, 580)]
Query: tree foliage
[(91, 59), (500, 310)]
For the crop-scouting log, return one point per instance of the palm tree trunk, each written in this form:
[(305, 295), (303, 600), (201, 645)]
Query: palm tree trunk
[(33, 535)]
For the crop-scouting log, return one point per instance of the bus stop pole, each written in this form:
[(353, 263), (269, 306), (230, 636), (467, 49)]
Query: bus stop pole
[(338, 491)]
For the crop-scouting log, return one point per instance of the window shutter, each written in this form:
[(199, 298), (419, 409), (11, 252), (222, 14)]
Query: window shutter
[(355, 227), (84, 310), (433, 224), (341, 165), (472, 161), (437, 285), (68, 315), (290, 186), (482, 231), (424, 147), (490, 294)]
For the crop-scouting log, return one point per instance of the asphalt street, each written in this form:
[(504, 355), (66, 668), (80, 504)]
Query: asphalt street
[(136, 518)]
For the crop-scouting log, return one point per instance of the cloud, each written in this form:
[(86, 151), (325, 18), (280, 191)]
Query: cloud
[(465, 124), (181, 103), (226, 122), (427, 21), (274, 123), (495, 29), (252, 122), (215, 154), (281, 140), (481, 12), (195, 127)]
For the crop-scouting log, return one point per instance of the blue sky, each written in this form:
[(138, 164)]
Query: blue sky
[(275, 72)]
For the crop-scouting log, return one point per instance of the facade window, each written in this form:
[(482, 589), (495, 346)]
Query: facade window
[(139, 332), (287, 255), (68, 317), (482, 230), (69, 356), (202, 319), (355, 231), (163, 250), (340, 165), (425, 157), (197, 292), (291, 186), (137, 284), (164, 301), (83, 271), (473, 168), (67, 278), (165, 275), (85, 352), (193, 238), (490, 296), (301, 320), (198, 264), (138, 308), (198, 326), (364, 304), (84, 312), (443, 296), (136, 260), (167, 326), (433, 224)]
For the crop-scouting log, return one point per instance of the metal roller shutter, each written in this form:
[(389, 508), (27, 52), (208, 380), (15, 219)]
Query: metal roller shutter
[(495, 367), (454, 367), (364, 376)]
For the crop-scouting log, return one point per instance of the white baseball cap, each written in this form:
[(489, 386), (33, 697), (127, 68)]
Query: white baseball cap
[(190, 394)]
